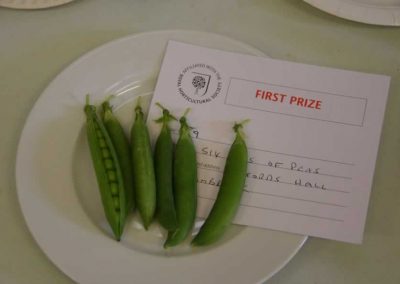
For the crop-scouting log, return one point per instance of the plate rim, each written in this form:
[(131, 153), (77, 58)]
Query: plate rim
[(32, 5), (384, 15), (54, 81)]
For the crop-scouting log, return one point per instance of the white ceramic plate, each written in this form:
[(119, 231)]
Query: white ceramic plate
[(59, 197), (376, 12), (32, 4)]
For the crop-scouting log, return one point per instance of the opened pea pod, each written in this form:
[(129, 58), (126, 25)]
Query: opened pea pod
[(107, 169), (123, 151)]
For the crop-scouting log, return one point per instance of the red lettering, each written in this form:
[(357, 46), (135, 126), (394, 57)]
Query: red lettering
[(270, 96), (300, 101), (294, 100), (303, 102)]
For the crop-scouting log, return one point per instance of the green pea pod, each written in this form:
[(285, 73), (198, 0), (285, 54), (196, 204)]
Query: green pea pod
[(185, 185), (123, 150), (107, 169), (143, 169), (163, 166), (229, 195)]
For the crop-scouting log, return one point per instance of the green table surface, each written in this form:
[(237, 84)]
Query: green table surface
[(36, 45)]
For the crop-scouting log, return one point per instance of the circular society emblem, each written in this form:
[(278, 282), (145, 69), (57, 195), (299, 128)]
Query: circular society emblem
[(199, 83)]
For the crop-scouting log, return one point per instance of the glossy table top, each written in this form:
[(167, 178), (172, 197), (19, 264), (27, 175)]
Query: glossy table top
[(36, 45)]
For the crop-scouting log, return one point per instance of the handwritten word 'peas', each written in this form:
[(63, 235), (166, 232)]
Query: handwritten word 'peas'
[(295, 167)]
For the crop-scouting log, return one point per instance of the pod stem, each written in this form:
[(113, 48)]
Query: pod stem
[(88, 107), (184, 125), (182, 120), (166, 116), (186, 112), (106, 103), (160, 106), (138, 104), (106, 106), (238, 127)]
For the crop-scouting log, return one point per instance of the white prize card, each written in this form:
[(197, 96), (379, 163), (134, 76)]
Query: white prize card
[(313, 135)]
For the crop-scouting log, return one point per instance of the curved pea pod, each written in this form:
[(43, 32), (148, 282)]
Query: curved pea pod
[(107, 169), (163, 167), (143, 169), (185, 185), (123, 150), (229, 195)]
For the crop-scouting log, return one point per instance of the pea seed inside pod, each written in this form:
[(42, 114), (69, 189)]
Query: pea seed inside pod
[(112, 176), (114, 189), (105, 153), (116, 202), (108, 163), (102, 143), (107, 170)]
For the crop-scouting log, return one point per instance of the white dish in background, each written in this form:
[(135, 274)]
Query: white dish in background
[(59, 197), (376, 12), (32, 4)]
